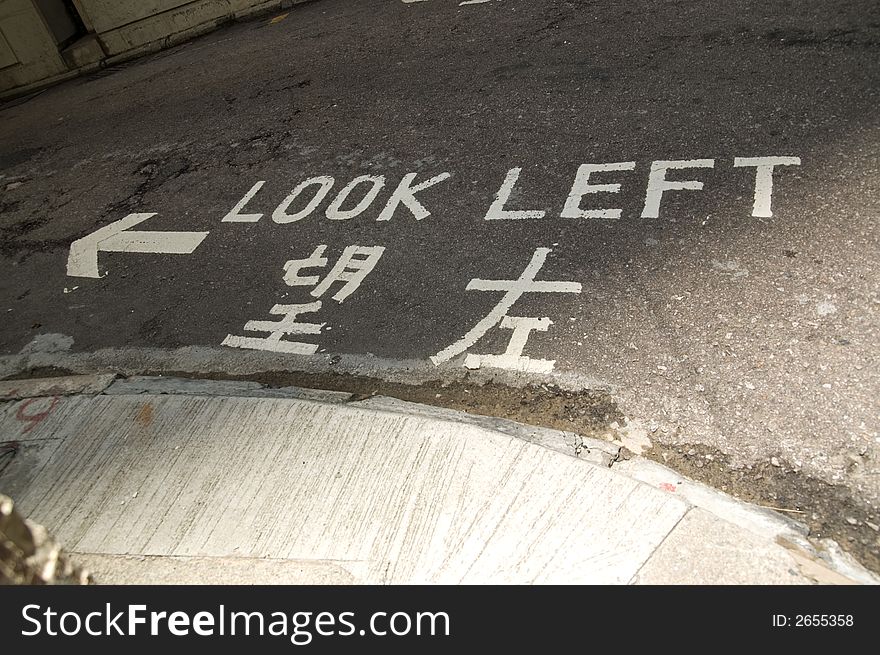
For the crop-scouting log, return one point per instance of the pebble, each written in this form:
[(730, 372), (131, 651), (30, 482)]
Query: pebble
[(775, 461), (852, 521)]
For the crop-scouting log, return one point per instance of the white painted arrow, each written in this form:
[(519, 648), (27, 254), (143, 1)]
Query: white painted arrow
[(83, 258)]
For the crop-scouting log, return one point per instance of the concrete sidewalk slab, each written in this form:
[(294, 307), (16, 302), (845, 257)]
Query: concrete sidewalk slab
[(31, 429), (161, 481), (421, 500), (749, 517), (138, 569), (703, 549)]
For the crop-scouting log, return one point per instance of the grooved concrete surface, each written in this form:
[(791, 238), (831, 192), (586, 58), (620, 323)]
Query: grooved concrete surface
[(136, 569), (704, 549), (419, 500)]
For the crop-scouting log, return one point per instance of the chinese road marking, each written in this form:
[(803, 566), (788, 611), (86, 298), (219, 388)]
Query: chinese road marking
[(512, 357), (352, 267), (278, 329), (521, 327)]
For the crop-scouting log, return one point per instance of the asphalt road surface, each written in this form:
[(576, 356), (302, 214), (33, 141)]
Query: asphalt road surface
[(663, 212)]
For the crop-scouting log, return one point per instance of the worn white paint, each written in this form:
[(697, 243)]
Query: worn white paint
[(272, 345), (335, 211), (764, 179), (355, 264), (82, 261), (497, 212), (293, 267), (352, 267), (513, 359), (235, 215), (582, 186), (657, 182), (278, 329), (512, 289), (324, 182), (405, 194)]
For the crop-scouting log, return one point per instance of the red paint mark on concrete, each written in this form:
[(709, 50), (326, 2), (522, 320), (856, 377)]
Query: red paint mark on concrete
[(35, 418), (145, 416), (666, 486)]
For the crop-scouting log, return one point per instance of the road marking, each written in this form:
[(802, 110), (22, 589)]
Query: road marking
[(279, 329), (657, 185), (352, 267), (764, 179), (355, 264), (657, 182), (336, 213), (234, 215), (280, 215), (405, 194), (82, 261), (513, 359), (513, 290), (582, 186), (497, 212), (292, 278)]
